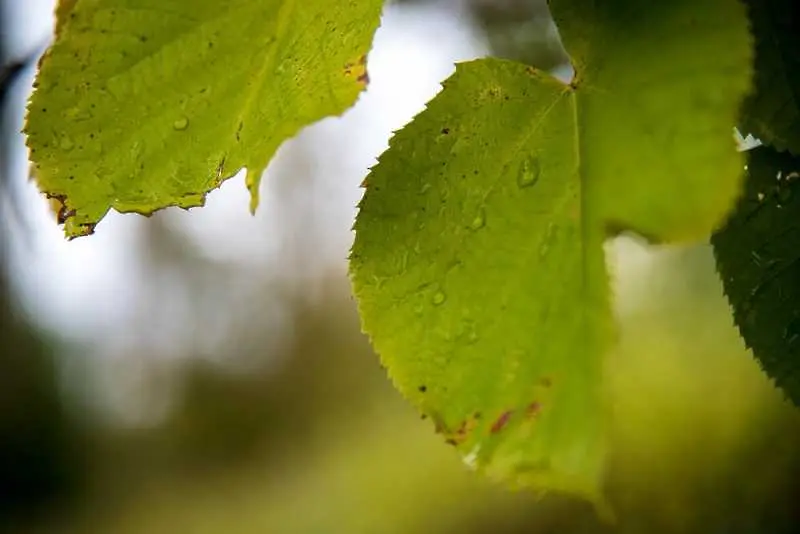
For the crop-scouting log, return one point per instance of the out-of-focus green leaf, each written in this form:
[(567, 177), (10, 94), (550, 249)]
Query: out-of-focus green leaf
[(146, 104), (478, 261), (772, 112), (758, 258)]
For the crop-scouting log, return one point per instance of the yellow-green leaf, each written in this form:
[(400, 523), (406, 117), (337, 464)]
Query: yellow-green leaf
[(143, 104), (478, 261)]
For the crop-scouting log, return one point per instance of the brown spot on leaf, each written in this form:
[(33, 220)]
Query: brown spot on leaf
[(465, 428), (533, 409), (461, 433), (64, 213), (445, 131), (219, 172), (357, 70), (501, 421), (58, 206)]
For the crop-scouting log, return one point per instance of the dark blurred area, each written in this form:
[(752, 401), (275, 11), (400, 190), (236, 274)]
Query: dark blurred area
[(265, 409), (41, 460)]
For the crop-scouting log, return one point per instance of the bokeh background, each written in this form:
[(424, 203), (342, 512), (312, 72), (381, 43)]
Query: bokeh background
[(204, 372)]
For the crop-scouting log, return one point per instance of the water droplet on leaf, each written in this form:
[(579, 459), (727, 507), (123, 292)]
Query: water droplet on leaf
[(529, 172), (66, 144), (181, 124), (479, 221), (548, 238), (472, 336), (438, 298)]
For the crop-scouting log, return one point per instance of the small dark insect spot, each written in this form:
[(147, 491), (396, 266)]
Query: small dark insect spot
[(451, 441), (423, 388), (143, 38), (71, 178), (475, 172), (211, 44), (91, 136), (423, 416), (445, 131), (44, 110)]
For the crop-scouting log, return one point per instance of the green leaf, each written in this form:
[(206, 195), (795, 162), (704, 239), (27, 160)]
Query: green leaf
[(146, 104), (478, 262), (772, 112), (758, 258)]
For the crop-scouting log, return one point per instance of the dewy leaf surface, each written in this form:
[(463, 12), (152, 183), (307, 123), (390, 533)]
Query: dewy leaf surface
[(772, 112), (143, 104), (478, 262), (758, 258)]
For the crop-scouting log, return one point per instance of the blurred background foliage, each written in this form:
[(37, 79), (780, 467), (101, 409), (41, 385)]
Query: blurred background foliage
[(236, 395)]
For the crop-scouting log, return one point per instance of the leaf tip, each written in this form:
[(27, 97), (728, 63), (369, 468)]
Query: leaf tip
[(253, 182)]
